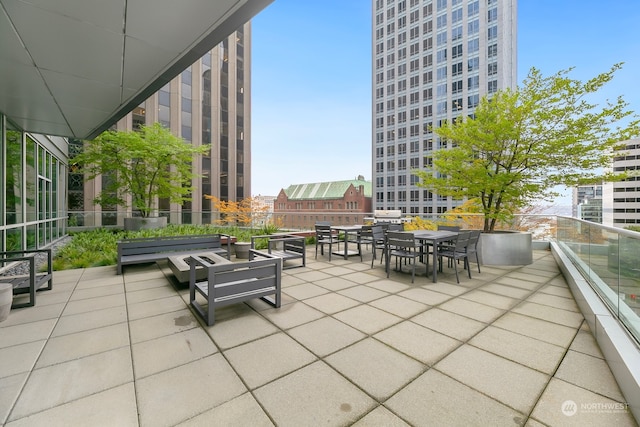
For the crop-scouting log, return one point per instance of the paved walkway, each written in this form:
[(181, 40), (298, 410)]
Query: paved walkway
[(348, 347)]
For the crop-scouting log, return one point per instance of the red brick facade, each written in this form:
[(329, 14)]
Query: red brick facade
[(302, 213)]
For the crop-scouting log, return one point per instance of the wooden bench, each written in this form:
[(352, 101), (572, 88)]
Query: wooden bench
[(34, 281), (285, 246), (151, 249), (233, 283)]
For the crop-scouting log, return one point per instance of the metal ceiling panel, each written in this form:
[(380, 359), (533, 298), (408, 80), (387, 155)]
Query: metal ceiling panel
[(74, 67)]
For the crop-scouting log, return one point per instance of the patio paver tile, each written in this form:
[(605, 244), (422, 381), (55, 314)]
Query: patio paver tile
[(325, 335), (425, 296), (367, 319), (376, 368), (305, 290), (537, 328), (160, 354), (331, 398), (591, 373), (472, 309), (450, 324), (381, 416), (519, 348), (116, 406), (254, 361), (149, 328), (421, 343), (291, 315), (64, 348), (561, 395), (48, 387), (249, 326), (10, 388), (20, 358), (508, 382), (399, 306), (26, 333), (179, 394), (331, 303), (434, 396), (363, 293), (240, 411), (490, 299), (557, 315)]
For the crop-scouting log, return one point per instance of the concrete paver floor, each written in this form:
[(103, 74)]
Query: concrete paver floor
[(349, 346)]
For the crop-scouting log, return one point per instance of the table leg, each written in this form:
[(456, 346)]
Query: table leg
[(435, 261), (346, 244)]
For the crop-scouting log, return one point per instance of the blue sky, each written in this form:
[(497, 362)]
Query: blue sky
[(311, 77)]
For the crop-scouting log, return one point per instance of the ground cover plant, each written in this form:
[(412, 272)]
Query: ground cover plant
[(99, 247)]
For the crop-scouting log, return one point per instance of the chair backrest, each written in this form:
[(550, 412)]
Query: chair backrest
[(474, 237), (449, 228), (396, 227), (377, 234), (401, 240), (366, 232), (323, 230), (384, 224), (462, 241)]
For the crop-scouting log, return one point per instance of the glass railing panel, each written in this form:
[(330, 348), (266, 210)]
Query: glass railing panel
[(608, 258), (629, 279)]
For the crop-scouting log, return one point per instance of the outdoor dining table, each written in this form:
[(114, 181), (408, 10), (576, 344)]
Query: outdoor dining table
[(348, 230), (435, 238)]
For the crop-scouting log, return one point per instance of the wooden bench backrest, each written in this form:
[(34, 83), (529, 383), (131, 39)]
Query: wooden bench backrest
[(295, 245), (166, 244), (233, 279)]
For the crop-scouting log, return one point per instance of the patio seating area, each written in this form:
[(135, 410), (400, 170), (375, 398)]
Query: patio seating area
[(348, 346)]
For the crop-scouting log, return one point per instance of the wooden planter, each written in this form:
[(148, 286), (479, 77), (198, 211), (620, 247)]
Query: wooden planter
[(505, 248)]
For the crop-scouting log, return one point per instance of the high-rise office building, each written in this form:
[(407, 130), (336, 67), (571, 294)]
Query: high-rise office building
[(207, 103), (587, 202), (72, 69), (432, 61), (622, 199)]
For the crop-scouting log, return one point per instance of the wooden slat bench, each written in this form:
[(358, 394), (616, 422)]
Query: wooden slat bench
[(34, 281), (285, 246), (233, 283), (151, 249)]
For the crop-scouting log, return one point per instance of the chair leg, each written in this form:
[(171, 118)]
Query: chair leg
[(413, 270), (466, 263), (478, 262), (455, 266)]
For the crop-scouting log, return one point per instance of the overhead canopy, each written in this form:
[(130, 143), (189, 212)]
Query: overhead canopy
[(74, 67)]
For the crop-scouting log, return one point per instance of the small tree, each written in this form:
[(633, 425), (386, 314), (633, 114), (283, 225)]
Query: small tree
[(245, 213), (147, 164), (522, 143)]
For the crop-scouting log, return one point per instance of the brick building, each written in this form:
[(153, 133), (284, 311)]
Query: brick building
[(340, 202)]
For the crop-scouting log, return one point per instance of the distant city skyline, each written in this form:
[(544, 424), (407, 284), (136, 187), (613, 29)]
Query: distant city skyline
[(311, 78)]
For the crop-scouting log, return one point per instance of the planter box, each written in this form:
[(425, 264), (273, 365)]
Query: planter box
[(505, 248), (137, 223)]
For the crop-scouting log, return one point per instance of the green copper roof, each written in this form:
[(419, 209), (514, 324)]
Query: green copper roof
[(325, 190)]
